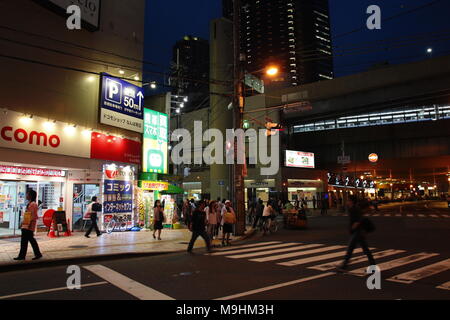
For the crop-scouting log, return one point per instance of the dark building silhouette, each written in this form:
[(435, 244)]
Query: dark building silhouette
[(293, 34), (190, 71)]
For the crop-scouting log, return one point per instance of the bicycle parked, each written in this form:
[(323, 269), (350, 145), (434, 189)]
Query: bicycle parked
[(118, 223)]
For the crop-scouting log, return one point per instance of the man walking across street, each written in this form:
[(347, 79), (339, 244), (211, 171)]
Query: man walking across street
[(198, 226), (359, 225), (92, 209)]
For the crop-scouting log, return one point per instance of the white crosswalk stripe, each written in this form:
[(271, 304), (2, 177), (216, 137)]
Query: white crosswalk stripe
[(421, 215), (424, 272), (254, 254), (409, 215), (317, 258), (396, 263), (377, 255), (227, 252), (445, 286), (259, 244), (297, 254)]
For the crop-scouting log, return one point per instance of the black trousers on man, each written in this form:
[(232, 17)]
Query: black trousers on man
[(28, 236), (257, 218), (93, 225), (358, 237), (195, 235)]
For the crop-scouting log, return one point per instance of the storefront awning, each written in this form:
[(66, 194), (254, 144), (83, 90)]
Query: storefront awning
[(173, 190)]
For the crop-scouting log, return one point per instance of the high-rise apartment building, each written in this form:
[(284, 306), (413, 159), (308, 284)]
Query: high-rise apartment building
[(293, 34), (190, 71)]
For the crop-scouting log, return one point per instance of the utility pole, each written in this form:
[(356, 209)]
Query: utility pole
[(238, 108)]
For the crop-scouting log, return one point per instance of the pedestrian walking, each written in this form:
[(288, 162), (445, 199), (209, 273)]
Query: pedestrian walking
[(314, 202), (28, 228), (268, 213), (92, 210), (324, 207), (259, 212), (198, 226), (211, 216), (218, 217), (359, 226), (158, 219), (228, 220), (187, 212)]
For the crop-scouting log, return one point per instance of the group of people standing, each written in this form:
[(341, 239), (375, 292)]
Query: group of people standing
[(206, 218)]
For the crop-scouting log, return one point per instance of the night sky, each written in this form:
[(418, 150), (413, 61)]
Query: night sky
[(169, 20)]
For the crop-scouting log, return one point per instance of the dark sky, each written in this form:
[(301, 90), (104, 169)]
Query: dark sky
[(169, 20)]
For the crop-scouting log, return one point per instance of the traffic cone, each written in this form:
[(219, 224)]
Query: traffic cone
[(51, 234), (67, 233)]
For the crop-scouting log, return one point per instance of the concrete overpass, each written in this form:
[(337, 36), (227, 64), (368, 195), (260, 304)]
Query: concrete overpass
[(412, 141)]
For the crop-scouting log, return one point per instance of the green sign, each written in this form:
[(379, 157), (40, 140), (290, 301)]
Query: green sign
[(156, 138)]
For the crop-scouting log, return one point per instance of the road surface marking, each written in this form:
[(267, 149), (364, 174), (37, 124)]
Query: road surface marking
[(446, 216), (254, 254), (221, 253), (445, 286), (126, 284), (387, 214), (376, 215), (317, 258), (421, 215), (396, 263), (398, 215), (259, 244), (421, 273), (296, 254), (276, 286), (434, 216), (377, 255), (409, 215), (31, 293)]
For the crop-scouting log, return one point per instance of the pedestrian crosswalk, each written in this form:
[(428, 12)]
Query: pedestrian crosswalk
[(403, 266)]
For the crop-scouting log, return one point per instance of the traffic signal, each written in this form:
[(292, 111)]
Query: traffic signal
[(273, 128)]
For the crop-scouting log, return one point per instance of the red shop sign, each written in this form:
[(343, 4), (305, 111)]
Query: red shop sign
[(113, 148)]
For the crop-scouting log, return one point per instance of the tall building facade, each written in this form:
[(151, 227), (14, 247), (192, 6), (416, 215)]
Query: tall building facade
[(295, 35), (190, 71)]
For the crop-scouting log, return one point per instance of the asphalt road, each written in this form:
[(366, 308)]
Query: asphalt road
[(288, 265)]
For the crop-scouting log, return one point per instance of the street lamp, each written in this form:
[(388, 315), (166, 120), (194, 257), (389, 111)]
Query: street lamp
[(272, 71)]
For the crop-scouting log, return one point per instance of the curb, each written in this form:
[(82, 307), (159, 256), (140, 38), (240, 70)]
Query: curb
[(29, 265), (77, 260)]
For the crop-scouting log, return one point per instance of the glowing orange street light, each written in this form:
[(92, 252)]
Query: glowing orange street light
[(272, 71)]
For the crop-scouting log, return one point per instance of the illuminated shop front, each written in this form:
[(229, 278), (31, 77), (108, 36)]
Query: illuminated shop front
[(62, 162)]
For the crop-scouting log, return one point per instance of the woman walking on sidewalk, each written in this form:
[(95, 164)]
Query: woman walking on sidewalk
[(211, 215), (228, 220), (28, 228), (158, 219)]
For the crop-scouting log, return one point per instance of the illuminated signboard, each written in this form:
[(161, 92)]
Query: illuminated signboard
[(373, 157), (32, 171), (299, 159), (156, 128), (155, 185), (121, 104)]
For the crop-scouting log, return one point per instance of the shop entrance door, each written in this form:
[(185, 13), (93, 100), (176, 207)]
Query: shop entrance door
[(12, 205), (82, 197)]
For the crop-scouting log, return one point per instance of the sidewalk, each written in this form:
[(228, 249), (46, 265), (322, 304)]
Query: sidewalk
[(107, 245)]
